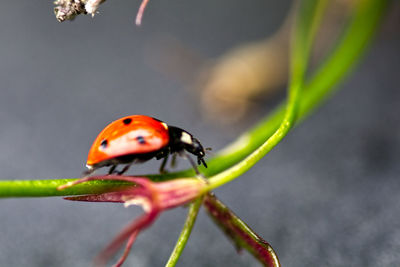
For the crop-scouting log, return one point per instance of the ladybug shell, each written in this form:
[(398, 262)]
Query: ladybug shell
[(135, 134)]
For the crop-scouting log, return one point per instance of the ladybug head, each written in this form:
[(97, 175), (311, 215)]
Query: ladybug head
[(198, 150), (181, 139)]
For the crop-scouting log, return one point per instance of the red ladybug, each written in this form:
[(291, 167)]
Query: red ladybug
[(138, 138)]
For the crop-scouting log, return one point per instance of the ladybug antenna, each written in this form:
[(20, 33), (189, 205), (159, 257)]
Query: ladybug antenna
[(208, 151)]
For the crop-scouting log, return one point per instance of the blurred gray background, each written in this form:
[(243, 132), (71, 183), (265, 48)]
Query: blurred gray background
[(328, 195)]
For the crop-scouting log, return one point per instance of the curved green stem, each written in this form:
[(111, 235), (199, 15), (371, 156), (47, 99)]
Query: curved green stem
[(185, 233), (307, 21)]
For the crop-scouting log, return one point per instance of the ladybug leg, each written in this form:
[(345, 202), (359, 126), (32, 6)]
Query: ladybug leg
[(112, 169), (163, 154), (124, 169), (173, 161), (185, 155), (163, 163)]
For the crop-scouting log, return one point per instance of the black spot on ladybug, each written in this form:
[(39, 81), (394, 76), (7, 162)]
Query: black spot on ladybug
[(127, 121), (141, 140), (104, 143), (156, 119)]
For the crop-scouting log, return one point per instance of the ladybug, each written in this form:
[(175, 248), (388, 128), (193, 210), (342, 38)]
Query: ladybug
[(139, 138)]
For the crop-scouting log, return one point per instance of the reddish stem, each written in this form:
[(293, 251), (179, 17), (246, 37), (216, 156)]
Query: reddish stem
[(241, 234), (130, 230), (128, 247), (140, 12)]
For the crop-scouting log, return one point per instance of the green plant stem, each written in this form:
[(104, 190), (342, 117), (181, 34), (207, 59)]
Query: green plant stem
[(333, 70), (46, 188), (185, 233), (307, 21)]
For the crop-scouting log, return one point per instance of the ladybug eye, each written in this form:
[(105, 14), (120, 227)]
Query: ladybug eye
[(104, 144), (141, 140), (127, 121)]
